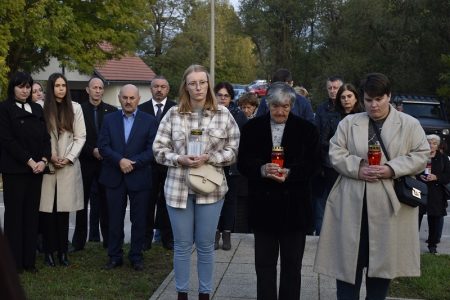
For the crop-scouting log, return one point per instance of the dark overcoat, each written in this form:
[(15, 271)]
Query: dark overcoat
[(437, 199), (274, 206)]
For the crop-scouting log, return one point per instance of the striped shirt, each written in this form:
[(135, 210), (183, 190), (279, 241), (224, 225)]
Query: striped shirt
[(221, 137)]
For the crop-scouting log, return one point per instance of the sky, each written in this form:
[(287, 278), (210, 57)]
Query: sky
[(235, 4)]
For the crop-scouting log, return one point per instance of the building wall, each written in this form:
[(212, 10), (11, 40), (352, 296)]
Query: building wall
[(112, 92)]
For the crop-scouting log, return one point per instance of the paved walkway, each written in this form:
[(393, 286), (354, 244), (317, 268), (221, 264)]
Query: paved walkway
[(235, 276)]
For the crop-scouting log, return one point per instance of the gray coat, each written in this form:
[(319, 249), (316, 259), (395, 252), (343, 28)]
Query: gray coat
[(67, 181), (393, 227)]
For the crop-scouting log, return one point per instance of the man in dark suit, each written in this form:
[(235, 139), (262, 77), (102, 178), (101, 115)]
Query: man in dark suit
[(158, 106), (125, 143), (91, 161)]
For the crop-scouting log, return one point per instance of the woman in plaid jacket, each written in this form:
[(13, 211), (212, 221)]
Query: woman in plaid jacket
[(194, 216)]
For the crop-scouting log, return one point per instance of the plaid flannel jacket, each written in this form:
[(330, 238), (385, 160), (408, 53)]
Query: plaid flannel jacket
[(221, 137)]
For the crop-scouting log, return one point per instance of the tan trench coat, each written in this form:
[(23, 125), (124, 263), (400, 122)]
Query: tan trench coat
[(394, 248), (67, 181)]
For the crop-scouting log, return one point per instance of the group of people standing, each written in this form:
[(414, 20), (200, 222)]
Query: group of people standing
[(40, 167), (142, 153)]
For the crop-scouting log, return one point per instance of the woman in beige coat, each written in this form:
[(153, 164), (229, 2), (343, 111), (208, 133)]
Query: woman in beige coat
[(365, 226), (62, 190)]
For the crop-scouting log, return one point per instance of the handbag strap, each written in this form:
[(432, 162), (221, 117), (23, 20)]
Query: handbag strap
[(377, 132)]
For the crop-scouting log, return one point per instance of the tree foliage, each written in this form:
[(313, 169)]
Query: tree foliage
[(235, 58), (316, 39), (70, 30)]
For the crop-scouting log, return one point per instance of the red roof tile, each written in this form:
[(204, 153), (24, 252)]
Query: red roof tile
[(127, 68)]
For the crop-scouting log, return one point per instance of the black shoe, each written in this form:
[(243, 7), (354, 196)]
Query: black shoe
[(49, 260), (113, 264), (138, 266), (226, 240), (73, 249), (432, 250), (63, 259)]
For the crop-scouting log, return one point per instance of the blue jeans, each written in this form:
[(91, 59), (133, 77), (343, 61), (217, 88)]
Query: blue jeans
[(198, 222)]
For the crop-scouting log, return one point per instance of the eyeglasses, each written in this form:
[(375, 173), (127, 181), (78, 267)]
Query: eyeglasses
[(223, 95), (193, 84)]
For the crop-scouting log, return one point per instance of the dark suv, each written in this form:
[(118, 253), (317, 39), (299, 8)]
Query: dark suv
[(431, 113)]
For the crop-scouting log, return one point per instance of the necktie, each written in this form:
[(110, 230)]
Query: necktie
[(95, 119), (159, 112), (21, 103)]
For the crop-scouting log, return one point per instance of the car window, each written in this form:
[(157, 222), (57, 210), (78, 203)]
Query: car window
[(422, 110)]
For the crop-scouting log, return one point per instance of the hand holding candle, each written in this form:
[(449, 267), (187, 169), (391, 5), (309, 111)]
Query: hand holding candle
[(278, 157)]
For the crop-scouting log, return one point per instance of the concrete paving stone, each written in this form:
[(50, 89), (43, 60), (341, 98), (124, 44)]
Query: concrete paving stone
[(310, 283), (242, 268), (327, 294), (228, 298), (326, 282), (308, 294), (307, 271), (236, 291), (238, 279), (244, 256)]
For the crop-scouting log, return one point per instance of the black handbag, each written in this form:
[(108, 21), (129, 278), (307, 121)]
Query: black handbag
[(409, 190)]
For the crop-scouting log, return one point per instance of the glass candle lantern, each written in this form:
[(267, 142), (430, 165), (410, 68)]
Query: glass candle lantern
[(195, 144), (278, 156)]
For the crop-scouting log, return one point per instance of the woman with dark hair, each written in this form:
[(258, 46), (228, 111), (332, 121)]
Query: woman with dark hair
[(25, 153), (347, 102), (194, 216), (224, 93), (62, 190), (365, 226)]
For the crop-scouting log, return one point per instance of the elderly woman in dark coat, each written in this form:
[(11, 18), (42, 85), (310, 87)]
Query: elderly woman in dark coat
[(435, 178), (280, 207)]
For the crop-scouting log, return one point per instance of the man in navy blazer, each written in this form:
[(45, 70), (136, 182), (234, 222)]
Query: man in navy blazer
[(125, 143)]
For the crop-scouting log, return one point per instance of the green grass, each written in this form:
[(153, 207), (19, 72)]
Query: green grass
[(85, 278), (433, 284)]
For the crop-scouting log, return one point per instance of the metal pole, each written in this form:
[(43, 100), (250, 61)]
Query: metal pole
[(213, 52)]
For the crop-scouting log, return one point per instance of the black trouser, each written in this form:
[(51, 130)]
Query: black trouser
[(228, 213), (21, 195), (90, 174), (433, 230), (376, 288), (290, 246), (55, 230), (158, 202)]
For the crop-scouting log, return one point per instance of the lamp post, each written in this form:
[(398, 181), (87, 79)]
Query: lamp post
[(212, 50)]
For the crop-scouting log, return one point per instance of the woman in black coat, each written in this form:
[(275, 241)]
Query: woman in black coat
[(24, 156), (280, 208), (224, 94), (435, 178)]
